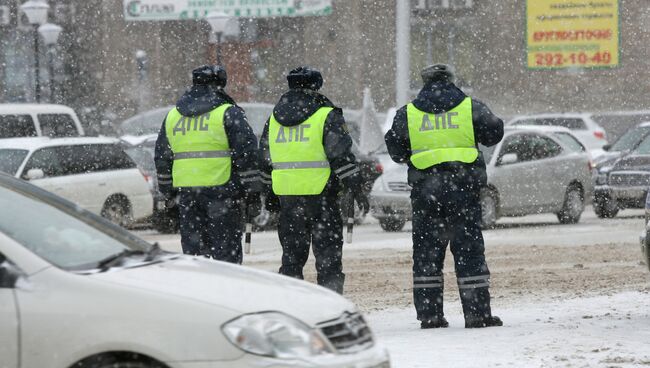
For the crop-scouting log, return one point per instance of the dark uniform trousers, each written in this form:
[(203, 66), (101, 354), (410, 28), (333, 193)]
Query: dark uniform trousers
[(210, 225), (314, 220), (444, 213)]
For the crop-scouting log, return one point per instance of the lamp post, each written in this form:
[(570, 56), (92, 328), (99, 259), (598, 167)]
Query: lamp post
[(50, 33), (36, 12), (219, 22)]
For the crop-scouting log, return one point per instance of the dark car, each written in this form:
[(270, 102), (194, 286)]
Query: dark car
[(624, 144), (623, 184)]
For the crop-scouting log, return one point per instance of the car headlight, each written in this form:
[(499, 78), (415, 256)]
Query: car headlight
[(275, 335)]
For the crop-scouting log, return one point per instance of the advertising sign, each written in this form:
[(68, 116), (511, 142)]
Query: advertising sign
[(564, 34), (148, 10)]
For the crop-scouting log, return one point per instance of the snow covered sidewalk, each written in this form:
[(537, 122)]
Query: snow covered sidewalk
[(599, 331)]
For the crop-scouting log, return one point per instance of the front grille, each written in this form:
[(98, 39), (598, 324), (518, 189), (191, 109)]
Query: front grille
[(348, 334), (624, 179), (399, 186)]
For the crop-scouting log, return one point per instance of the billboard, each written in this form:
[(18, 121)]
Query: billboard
[(157, 10), (569, 34)]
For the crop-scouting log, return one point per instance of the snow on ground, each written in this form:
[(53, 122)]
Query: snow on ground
[(598, 331)]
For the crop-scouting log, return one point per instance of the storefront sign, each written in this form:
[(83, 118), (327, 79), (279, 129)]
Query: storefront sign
[(564, 34)]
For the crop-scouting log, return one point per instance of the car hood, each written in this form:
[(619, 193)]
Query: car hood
[(607, 158), (238, 288), (633, 163)]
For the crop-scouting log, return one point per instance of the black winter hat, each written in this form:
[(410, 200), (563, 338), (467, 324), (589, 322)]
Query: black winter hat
[(305, 77), (437, 73), (210, 74)]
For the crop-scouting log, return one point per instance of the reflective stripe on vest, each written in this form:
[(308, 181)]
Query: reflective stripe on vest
[(201, 149), (444, 137), (300, 165)]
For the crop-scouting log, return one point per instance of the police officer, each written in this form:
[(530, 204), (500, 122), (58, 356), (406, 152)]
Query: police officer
[(307, 151), (207, 152), (437, 136)]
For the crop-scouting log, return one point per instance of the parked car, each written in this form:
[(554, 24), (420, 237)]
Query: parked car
[(624, 144), (33, 120), (623, 184), (582, 125), (533, 170), (95, 173), (78, 291), (645, 235)]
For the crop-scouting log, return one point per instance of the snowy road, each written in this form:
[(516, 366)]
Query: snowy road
[(570, 295)]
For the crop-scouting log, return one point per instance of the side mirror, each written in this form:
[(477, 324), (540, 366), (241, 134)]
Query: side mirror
[(509, 158), (33, 174), (607, 147), (8, 274)]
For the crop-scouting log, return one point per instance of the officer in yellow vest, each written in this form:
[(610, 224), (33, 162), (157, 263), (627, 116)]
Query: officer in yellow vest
[(437, 136), (307, 157), (207, 152)]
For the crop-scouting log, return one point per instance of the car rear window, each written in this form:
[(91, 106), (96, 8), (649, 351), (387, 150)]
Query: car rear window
[(570, 141), (11, 159), (57, 125), (12, 126)]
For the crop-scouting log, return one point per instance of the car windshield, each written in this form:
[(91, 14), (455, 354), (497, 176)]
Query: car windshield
[(570, 141), (11, 159), (630, 139), (59, 233), (644, 147), (146, 123)]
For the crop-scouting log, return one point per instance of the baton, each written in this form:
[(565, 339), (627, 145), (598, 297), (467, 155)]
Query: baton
[(350, 215), (249, 230)]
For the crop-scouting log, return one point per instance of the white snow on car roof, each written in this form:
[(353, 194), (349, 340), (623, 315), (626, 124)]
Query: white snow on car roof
[(40, 142), (552, 129), (28, 108)]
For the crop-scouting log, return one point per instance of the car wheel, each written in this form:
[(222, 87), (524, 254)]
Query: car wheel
[(605, 207), (573, 206), (166, 221), (488, 210), (392, 224), (117, 210)]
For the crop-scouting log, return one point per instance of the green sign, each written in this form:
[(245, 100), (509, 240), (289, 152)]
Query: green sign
[(152, 10)]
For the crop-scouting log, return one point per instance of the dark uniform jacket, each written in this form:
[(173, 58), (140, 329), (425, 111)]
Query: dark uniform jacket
[(435, 98), (243, 144), (295, 107)]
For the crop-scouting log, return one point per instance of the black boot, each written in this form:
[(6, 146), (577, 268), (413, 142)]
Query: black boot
[(437, 322), (484, 322)]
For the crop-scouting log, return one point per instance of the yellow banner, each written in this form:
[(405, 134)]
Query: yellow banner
[(564, 34)]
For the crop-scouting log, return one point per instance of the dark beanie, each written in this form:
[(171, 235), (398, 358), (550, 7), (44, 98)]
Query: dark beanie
[(305, 77)]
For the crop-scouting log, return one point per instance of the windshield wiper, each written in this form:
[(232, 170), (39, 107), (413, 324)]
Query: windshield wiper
[(116, 258)]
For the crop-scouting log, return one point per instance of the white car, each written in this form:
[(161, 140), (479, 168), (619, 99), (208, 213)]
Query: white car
[(94, 173), (78, 291), (582, 125), (32, 120), (533, 170)]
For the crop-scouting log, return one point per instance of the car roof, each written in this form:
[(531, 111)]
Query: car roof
[(28, 108), (553, 115), (541, 128), (40, 142)]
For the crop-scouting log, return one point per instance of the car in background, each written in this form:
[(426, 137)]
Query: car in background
[(582, 125), (78, 291), (623, 184), (35, 120), (533, 170), (624, 144), (644, 239), (94, 173)]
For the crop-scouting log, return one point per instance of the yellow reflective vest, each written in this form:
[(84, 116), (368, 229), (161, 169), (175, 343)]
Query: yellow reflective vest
[(443, 137), (200, 147), (300, 165)]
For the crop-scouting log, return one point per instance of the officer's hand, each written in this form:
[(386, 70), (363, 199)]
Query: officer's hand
[(272, 203), (362, 201), (253, 205)]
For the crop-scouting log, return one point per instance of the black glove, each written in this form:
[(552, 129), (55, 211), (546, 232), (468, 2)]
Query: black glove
[(362, 200), (253, 205), (272, 203)]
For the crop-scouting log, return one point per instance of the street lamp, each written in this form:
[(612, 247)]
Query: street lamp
[(36, 12), (50, 33), (219, 23)]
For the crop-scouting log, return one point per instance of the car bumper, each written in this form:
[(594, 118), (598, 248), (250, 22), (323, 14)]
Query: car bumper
[(376, 357), (389, 204), (629, 197)]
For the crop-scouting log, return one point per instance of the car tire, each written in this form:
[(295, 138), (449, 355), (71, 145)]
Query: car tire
[(489, 204), (574, 205), (392, 224), (166, 221), (117, 210), (605, 207)]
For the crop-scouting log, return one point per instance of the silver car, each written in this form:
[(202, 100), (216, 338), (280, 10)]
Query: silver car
[(533, 170)]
